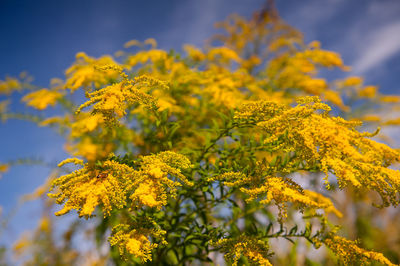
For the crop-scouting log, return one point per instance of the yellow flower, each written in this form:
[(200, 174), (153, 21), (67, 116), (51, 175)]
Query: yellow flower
[(21, 245), (45, 224), (390, 99), (266, 189), (255, 250), (90, 150), (368, 92), (132, 43), (135, 241), (352, 81), (349, 253), (370, 118), (84, 72), (86, 123), (3, 168), (134, 246), (223, 54), (42, 98), (54, 120), (152, 42), (334, 97), (84, 189), (143, 57), (157, 173), (313, 86), (194, 53), (331, 141), (150, 194), (9, 85), (116, 98)]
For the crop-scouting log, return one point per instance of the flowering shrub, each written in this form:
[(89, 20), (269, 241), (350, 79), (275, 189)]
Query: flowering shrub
[(181, 157)]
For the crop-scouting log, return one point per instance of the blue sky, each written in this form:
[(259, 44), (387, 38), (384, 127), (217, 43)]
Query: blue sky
[(42, 37)]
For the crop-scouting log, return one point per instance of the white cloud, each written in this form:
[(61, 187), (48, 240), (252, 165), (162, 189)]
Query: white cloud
[(377, 47), (367, 37), (384, 8), (311, 15), (192, 22)]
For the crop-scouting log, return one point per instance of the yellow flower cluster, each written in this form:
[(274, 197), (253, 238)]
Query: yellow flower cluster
[(278, 189), (389, 98), (275, 188), (109, 185), (86, 123), (151, 191), (3, 168), (135, 241), (42, 98), (194, 53), (9, 85), (263, 29), (154, 99), (217, 83), (253, 249), (84, 189), (84, 72), (149, 41), (223, 54), (298, 70), (142, 57), (368, 91), (352, 81), (349, 253), (116, 98), (91, 148), (331, 143)]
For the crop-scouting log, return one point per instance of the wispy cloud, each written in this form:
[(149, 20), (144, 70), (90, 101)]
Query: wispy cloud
[(310, 16), (193, 21), (378, 46), (366, 33)]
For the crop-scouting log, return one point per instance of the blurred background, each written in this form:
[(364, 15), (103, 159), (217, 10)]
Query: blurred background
[(42, 38)]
